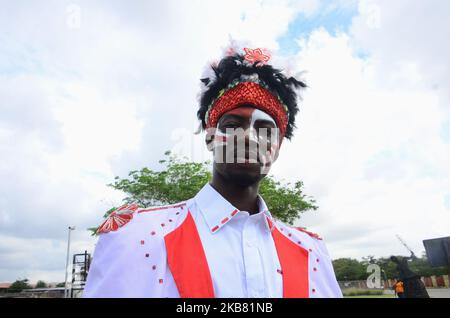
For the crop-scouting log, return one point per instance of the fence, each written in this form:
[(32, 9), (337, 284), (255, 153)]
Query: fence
[(441, 281)]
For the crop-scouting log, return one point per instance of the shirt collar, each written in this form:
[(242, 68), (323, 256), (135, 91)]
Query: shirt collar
[(217, 211)]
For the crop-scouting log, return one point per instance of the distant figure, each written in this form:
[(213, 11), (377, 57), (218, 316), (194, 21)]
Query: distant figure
[(412, 285), (398, 288)]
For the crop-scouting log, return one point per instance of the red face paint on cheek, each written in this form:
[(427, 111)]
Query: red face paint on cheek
[(219, 138)]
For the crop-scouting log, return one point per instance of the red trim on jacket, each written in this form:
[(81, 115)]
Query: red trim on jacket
[(294, 265), (187, 261)]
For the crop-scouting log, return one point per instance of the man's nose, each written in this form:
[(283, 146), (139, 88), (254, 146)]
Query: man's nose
[(250, 135), (249, 139)]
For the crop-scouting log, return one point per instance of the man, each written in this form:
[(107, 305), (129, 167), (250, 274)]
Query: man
[(224, 242), (398, 288)]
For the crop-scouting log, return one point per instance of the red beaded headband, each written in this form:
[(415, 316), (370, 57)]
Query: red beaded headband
[(253, 94)]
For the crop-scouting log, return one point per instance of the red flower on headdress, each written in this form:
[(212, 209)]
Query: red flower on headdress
[(118, 218), (256, 55)]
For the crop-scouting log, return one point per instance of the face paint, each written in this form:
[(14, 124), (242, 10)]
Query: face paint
[(251, 116), (269, 157), (263, 137), (263, 142)]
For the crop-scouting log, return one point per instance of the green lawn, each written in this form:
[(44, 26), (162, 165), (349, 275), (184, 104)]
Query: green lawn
[(371, 296)]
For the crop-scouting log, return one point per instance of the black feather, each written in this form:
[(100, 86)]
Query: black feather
[(205, 80)]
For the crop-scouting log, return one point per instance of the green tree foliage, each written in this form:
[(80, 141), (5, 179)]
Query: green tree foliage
[(41, 284), (19, 285), (388, 267), (421, 266), (349, 269), (180, 180), (286, 201), (352, 269)]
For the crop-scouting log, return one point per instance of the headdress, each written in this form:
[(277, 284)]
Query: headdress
[(245, 77)]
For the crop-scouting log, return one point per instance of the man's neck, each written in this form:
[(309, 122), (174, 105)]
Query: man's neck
[(244, 198)]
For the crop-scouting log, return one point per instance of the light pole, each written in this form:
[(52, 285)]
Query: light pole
[(71, 228)]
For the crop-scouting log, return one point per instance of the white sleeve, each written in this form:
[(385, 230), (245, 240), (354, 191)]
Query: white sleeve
[(327, 283), (130, 262)]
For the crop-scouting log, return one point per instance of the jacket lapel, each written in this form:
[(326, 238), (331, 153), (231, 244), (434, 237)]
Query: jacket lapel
[(294, 265), (187, 261)]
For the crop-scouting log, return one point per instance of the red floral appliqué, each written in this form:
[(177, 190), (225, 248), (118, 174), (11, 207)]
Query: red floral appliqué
[(256, 55), (118, 218)]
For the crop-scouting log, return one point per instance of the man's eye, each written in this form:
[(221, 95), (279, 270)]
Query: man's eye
[(231, 125), (265, 131)]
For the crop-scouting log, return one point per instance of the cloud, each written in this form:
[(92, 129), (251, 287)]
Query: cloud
[(407, 38)]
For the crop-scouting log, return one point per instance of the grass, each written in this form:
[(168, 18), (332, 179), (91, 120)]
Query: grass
[(365, 293), (371, 296)]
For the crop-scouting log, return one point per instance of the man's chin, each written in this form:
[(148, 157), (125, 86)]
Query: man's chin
[(244, 174)]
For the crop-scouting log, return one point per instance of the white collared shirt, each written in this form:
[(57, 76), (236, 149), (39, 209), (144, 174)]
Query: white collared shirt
[(131, 260), (241, 253)]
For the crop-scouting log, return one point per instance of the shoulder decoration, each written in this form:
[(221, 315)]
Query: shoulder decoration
[(314, 235), (118, 218)]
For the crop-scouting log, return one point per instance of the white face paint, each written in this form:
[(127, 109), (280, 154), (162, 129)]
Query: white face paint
[(262, 133), (263, 137), (252, 131), (260, 138)]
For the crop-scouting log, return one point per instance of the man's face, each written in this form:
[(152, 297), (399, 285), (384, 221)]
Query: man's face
[(245, 144)]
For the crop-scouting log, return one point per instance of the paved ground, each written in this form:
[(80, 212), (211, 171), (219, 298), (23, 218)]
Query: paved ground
[(439, 292), (433, 292)]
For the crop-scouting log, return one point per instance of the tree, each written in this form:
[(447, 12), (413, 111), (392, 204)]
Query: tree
[(19, 285), (347, 269), (181, 180), (352, 269), (388, 266), (41, 284)]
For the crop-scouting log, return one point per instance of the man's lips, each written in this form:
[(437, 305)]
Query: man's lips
[(247, 157)]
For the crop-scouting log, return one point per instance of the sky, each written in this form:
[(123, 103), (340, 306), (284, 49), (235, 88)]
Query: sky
[(92, 90)]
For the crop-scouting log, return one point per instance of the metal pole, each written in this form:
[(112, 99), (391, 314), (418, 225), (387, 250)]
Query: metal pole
[(67, 262)]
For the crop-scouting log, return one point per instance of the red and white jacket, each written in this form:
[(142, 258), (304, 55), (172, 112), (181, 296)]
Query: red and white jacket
[(205, 247)]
